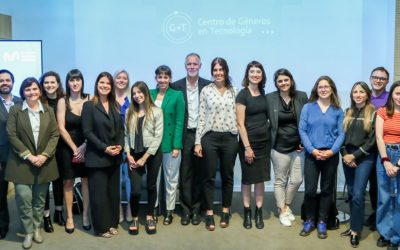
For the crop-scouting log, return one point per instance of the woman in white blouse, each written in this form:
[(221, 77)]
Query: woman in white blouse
[(216, 139)]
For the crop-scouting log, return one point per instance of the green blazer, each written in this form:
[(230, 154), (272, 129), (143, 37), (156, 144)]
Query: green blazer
[(22, 143), (173, 107)]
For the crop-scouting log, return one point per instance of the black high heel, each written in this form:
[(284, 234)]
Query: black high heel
[(135, 224), (354, 240), (210, 223), (150, 223)]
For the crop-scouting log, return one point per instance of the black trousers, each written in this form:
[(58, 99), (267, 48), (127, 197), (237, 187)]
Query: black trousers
[(312, 170), (4, 215), (104, 197), (152, 166), (222, 148), (58, 185), (190, 180)]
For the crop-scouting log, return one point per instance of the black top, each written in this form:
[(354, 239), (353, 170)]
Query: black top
[(101, 129), (356, 136), (139, 147), (256, 118), (288, 138), (53, 104)]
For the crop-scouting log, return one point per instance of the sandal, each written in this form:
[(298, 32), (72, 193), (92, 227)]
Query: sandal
[(210, 224), (225, 220), (150, 226), (113, 231), (105, 235), (134, 227)]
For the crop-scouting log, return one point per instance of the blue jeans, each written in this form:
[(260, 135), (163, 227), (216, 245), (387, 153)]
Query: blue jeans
[(356, 180), (388, 212)]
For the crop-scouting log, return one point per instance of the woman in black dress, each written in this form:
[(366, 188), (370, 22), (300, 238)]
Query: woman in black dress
[(74, 146), (52, 92), (254, 146)]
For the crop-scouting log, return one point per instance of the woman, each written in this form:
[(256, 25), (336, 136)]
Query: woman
[(284, 107), (104, 132), (358, 154), (143, 135), (32, 130), (53, 91), (121, 85), (387, 131), (173, 106), (73, 146), (216, 139), (254, 144), (321, 131)]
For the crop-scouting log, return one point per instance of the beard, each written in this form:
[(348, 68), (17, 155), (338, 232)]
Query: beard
[(5, 90)]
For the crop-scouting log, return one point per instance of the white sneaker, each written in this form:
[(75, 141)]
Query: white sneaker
[(285, 220), (289, 214)]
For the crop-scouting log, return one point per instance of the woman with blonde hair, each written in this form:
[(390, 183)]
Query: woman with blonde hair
[(358, 154)]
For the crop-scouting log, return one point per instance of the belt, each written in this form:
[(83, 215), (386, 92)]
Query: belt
[(393, 146), (193, 130)]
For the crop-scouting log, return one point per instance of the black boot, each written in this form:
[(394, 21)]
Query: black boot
[(48, 227), (247, 218), (259, 218), (59, 218)]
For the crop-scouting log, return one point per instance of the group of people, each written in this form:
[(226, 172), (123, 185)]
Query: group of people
[(181, 133)]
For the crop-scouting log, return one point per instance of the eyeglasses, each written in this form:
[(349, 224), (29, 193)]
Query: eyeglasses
[(284, 80), (377, 78), (324, 87)]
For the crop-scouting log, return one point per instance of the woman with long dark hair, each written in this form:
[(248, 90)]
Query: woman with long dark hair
[(52, 92), (358, 154), (254, 144), (143, 135), (104, 132), (73, 146), (216, 139), (321, 131), (284, 108)]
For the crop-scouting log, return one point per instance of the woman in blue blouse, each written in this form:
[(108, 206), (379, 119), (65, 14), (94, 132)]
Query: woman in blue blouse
[(121, 85), (321, 131)]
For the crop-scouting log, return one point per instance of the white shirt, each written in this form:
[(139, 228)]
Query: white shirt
[(193, 104), (158, 103), (216, 112), (34, 118), (7, 105)]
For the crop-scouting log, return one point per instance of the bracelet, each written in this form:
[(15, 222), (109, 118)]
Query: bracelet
[(385, 159), (247, 146)]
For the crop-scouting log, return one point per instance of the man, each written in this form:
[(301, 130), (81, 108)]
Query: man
[(190, 176), (7, 100), (379, 79)]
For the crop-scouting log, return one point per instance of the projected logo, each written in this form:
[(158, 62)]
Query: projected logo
[(177, 27)]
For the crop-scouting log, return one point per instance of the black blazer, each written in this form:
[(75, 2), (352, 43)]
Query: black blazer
[(101, 130), (181, 85), (4, 142), (273, 102)]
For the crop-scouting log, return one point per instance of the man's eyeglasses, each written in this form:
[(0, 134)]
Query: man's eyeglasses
[(379, 78)]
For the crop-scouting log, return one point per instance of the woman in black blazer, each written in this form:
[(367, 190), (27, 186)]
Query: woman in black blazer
[(103, 130), (284, 107)]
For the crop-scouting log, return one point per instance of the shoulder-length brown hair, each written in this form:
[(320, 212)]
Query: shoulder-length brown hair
[(111, 95), (334, 96)]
